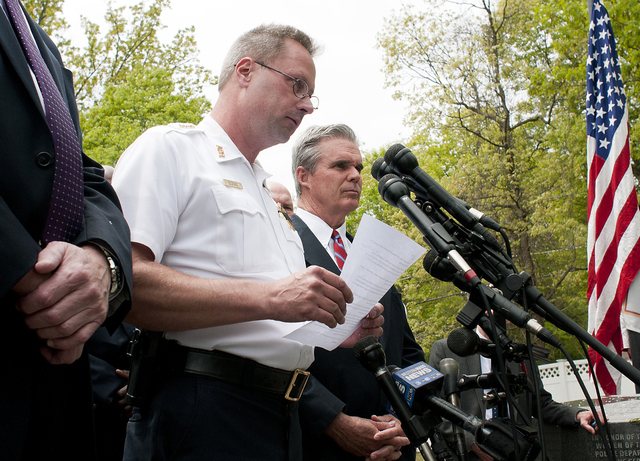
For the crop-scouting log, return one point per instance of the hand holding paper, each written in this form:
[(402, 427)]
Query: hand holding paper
[(378, 256)]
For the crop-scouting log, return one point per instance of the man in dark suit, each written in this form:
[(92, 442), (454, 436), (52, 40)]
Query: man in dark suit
[(338, 410), (471, 400), (62, 274)]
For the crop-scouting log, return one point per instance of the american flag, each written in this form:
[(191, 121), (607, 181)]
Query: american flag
[(613, 242)]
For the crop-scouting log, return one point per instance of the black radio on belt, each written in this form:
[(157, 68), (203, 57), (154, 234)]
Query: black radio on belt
[(143, 350)]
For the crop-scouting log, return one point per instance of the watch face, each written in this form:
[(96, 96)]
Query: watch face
[(114, 274)]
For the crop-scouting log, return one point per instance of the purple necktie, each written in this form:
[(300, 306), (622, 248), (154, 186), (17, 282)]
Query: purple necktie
[(66, 208)]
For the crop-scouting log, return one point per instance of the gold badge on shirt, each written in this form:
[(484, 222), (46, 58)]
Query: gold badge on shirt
[(220, 152), (232, 184)]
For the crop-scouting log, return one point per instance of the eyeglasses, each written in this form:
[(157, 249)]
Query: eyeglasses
[(300, 87)]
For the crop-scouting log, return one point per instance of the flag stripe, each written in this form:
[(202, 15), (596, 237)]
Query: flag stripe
[(609, 203), (620, 244), (613, 240), (613, 186)]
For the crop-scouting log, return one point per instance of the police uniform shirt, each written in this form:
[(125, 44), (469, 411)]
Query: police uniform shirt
[(191, 197)]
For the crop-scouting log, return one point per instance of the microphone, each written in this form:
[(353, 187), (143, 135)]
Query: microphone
[(485, 220), (438, 266), (465, 342), (449, 368), (370, 354), (396, 193), (518, 316), (416, 380), (517, 382), (493, 438), (380, 169), (479, 381), (402, 161), (442, 269), (472, 315)]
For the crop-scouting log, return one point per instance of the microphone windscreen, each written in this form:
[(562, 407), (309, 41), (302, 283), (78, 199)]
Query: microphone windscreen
[(463, 342), (429, 259), (391, 152), (375, 168), (362, 344), (449, 366)]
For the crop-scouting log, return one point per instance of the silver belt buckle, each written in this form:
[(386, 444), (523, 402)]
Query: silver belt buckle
[(297, 384)]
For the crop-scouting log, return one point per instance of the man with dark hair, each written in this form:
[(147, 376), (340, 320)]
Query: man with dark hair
[(219, 272), (343, 411), (65, 252)]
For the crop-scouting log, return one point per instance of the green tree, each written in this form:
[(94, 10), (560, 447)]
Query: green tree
[(143, 99), (496, 109), (47, 13), (126, 79), (566, 28)]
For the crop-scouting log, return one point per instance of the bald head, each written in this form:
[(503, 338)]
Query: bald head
[(281, 196)]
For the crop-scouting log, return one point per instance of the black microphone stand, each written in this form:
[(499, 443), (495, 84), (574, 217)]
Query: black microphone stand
[(371, 355), (496, 439), (497, 269), (476, 253)]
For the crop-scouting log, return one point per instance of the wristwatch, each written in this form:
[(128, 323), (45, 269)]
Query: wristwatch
[(116, 275)]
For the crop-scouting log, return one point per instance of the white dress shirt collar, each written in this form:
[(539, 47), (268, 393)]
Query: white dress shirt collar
[(323, 231)]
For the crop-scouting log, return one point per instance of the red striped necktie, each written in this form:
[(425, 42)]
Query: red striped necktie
[(338, 248)]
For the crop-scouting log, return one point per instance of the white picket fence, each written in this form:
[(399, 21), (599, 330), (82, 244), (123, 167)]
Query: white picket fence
[(559, 380)]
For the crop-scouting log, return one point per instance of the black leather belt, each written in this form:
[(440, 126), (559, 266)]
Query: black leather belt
[(232, 369)]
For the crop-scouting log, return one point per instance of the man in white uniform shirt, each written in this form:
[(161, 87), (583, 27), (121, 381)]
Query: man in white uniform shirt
[(219, 271)]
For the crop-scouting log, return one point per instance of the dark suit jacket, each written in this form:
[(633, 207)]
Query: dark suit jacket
[(339, 382), (36, 398), (471, 400)]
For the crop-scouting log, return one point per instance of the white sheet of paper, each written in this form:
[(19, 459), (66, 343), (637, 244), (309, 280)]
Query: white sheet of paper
[(378, 256)]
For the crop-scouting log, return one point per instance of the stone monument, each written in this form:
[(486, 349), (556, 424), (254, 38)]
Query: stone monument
[(576, 444)]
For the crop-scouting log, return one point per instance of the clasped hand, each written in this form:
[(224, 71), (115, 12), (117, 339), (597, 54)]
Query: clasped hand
[(64, 298), (379, 438)]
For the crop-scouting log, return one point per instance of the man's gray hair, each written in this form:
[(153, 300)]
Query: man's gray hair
[(306, 153), (264, 44)]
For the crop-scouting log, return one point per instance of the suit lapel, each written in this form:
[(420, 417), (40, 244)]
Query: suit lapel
[(52, 64), (13, 50), (314, 252)]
